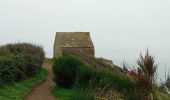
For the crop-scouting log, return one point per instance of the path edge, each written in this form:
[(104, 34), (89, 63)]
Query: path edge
[(34, 86)]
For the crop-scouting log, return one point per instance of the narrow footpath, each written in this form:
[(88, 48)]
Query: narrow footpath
[(42, 91)]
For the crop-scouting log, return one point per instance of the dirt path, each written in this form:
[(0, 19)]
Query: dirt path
[(42, 91)]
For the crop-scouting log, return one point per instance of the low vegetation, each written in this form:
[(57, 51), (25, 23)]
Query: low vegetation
[(19, 61), (76, 79), (18, 90), (144, 76), (72, 74), (20, 69), (65, 70), (72, 94)]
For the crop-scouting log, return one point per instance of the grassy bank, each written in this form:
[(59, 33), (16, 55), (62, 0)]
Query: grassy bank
[(72, 94), (77, 81), (18, 90), (82, 82)]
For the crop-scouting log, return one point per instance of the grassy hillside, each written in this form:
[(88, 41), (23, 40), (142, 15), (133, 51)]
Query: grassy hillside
[(73, 74), (75, 79)]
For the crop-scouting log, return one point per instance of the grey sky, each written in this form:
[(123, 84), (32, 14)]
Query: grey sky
[(120, 29)]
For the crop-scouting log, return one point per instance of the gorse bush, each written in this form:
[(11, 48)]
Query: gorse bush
[(19, 61), (65, 70), (11, 68), (34, 53)]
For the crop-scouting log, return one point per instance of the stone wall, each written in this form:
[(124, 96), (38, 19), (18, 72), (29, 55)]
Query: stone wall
[(89, 51), (73, 41)]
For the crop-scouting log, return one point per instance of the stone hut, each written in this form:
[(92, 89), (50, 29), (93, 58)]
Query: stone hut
[(73, 41)]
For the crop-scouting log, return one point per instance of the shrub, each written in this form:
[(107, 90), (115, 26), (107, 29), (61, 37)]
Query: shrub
[(34, 53), (19, 61), (146, 74), (12, 68), (65, 70), (144, 77), (4, 51)]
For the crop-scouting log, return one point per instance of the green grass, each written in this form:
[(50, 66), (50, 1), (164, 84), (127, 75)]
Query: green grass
[(18, 90), (71, 94), (61, 93)]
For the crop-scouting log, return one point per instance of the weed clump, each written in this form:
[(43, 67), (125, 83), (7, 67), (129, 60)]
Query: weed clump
[(144, 77)]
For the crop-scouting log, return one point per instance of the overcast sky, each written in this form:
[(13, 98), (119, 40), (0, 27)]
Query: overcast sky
[(120, 29)]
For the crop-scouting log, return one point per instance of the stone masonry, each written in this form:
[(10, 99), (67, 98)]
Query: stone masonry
[(73, 41)]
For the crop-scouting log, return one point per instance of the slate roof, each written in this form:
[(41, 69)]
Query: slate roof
[(75, 39)]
